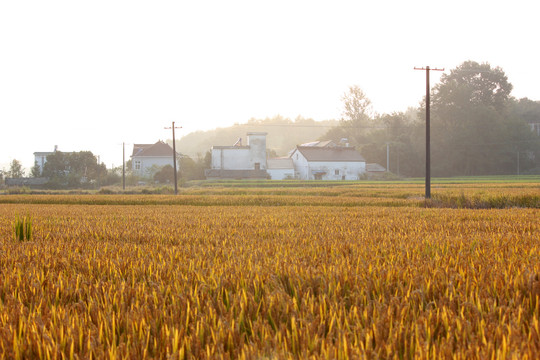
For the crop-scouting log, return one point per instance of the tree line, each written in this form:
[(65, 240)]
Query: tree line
[(67, 170), (477, 127)]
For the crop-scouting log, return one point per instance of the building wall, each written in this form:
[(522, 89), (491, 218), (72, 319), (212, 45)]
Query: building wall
[(231, 159), (337, 170), (280, 174), (346, 170), (216, 159), (41, 160), (301, 165), (241, 158), (236, 159), (257, 147), (142, 166)]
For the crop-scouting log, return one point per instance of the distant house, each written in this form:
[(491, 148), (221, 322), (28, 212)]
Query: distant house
[(317, 160), (240, 161), (40, 157), (148, 158), (327, 161), (280, 168)]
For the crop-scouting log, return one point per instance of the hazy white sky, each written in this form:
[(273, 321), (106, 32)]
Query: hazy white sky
[(89, 75)]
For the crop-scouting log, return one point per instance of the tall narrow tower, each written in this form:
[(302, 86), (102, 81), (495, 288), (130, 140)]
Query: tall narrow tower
[(257, 147)]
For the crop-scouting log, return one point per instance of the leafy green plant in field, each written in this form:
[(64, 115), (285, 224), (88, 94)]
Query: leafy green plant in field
[(22, 228)]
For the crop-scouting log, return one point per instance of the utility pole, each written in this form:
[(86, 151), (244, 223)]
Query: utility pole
[(124, 166), (387, 157), (398, 162), (518, 162), (174, 156), (428, 131)]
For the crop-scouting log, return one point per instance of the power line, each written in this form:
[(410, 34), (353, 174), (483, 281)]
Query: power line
[(315, 126), (503, 143), (287, 125)]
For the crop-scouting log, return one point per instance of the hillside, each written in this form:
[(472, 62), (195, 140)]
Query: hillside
[(283, 135)]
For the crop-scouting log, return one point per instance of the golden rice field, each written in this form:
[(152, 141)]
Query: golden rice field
[(334, 273)]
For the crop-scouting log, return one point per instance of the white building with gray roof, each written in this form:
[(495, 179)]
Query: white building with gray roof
[(327, 163)]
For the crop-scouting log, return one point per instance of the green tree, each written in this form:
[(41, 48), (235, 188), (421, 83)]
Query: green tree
[(522, 128), (165, 175), (395, 136), (528, 110), (73, 169), (191, 169), (15, 169), (35, 171), (472, 84), (356, 118), (469, 127), (129, 166), (356, 105), (113, 177), (83, 164), (57, 166)]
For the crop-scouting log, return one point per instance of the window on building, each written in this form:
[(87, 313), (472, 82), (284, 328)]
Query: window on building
[(336, 172), (137, 165), (257, 166)]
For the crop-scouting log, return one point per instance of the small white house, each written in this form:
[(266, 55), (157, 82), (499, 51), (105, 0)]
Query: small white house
[(327, 163), (280, 168), (240, 161), (149, 158)]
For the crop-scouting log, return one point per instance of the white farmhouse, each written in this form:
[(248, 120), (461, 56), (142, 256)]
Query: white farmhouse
[(149, 158), (280, 168), (238, 161), (327, 162)]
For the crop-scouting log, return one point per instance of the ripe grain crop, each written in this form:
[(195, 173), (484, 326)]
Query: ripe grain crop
[(466, 195), (166, 280)]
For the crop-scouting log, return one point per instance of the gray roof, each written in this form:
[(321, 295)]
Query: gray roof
[(230, 147), (338, 153), (158, 149), (326, 143)]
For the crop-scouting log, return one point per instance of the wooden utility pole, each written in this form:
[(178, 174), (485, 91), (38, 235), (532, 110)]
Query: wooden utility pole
[(124, 166), (174, 156), (518, 162), (428, 131), (387, 157)]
